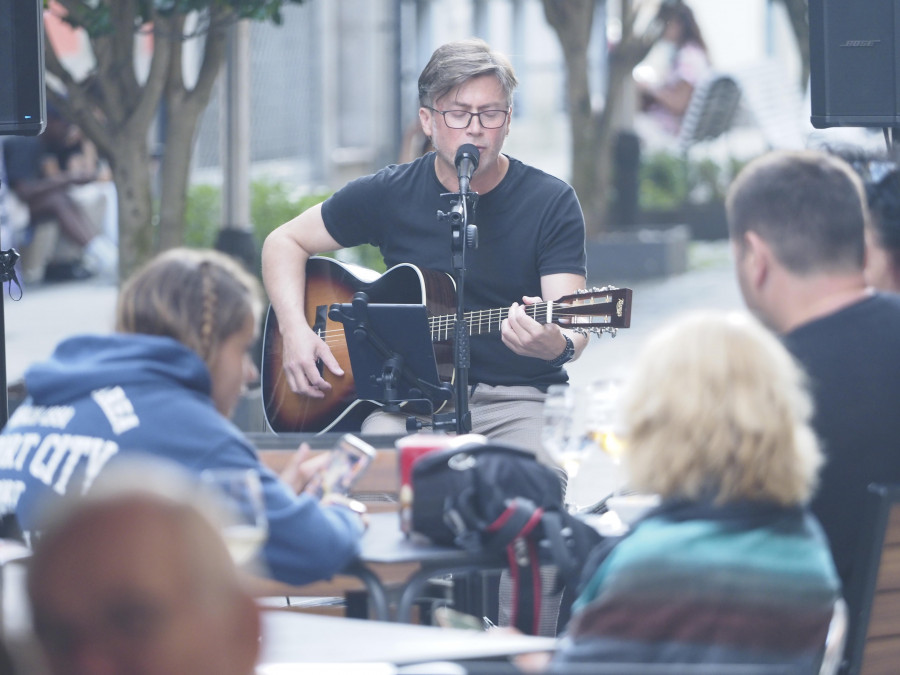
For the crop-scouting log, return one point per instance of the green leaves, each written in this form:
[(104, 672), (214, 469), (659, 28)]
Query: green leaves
[(94, 15)]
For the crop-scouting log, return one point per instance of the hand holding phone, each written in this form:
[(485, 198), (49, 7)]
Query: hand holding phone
[(346, 464)]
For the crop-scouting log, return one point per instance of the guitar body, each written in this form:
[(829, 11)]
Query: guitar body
[(328, 282)]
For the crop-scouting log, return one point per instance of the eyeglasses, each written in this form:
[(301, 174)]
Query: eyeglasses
[(461, 119)]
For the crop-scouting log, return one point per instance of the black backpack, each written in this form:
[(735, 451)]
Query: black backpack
[(499, 499)]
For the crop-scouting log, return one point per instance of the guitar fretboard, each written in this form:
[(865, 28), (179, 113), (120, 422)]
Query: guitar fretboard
[(483, 321)]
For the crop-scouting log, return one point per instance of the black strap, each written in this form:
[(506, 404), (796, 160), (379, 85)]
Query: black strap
[(517, 530), (516, 520), (559, 548), (525, 570)]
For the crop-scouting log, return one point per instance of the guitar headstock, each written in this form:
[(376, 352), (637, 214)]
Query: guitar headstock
[(594, 310)]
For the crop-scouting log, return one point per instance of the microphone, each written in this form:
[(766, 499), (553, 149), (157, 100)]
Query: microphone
[(466, 163)]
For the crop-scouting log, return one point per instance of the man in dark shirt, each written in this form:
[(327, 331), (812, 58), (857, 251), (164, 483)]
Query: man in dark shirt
[(796, 223), (530, 246)]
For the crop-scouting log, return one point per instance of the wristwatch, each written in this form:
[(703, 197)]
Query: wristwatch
[(567, 354)]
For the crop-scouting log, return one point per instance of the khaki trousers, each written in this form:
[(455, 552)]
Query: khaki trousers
[(506, 414)]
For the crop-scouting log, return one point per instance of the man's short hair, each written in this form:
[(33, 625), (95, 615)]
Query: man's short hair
[(455, 63), (808, 205)]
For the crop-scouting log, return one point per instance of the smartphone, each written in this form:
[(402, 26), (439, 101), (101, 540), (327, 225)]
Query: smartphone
[(445, 617), (349, 459)]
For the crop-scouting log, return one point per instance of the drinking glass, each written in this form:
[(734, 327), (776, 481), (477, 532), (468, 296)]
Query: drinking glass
[(240, 497)]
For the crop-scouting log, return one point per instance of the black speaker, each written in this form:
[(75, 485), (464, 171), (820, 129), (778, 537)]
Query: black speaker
[(854, 48), (23, 110)]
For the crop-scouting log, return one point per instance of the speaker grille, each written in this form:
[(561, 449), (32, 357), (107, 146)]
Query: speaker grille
[(854, 55)]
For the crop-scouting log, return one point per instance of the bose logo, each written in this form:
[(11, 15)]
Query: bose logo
[(860, 43)]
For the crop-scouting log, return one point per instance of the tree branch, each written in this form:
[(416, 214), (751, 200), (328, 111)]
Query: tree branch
[(213, 55)]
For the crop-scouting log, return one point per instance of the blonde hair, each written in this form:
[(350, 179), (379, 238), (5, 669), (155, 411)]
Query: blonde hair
[(199, 297), (718, 409)]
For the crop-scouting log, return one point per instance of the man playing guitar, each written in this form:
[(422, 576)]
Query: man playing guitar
[(531, 246)]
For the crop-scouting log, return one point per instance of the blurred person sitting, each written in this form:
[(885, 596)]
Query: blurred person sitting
[(166, 383), (43, 185), (138, 580), (70, 151), (731, 567), (882, 270), (664, 96)]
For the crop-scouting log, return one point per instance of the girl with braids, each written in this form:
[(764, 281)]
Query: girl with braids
[(165, 383), (883, 233)]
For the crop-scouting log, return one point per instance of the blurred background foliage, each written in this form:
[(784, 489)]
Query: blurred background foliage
[(668, 181), (272, 203)]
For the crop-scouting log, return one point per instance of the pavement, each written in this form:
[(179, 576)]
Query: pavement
[(48, 312)]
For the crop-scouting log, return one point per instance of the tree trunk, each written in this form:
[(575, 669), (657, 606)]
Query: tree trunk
[(594, 134), (116, 109), (132, 178), (183, 110), (572, 22), (173, 179)]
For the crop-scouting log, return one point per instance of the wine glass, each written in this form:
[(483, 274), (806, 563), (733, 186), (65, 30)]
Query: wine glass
[(601, 426), (240, 497), (558, 431)]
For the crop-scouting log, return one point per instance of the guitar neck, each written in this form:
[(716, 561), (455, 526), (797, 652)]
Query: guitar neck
[(483, 321)]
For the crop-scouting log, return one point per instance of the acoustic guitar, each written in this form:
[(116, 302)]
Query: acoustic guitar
[(330, 282)]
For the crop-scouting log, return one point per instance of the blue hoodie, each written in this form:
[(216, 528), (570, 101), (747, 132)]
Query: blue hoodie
[(99, 398)]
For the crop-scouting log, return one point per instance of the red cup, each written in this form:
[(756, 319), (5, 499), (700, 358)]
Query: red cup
[(411, 448), (414, 446)]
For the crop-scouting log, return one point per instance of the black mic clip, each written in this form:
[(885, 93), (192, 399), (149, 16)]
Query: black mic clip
[(455, 215)]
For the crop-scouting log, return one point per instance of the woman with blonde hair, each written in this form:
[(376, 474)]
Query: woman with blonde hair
[(165, 383), (731, 567)]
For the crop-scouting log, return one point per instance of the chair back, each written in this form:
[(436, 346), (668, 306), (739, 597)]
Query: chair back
[(835, 640), (873, 594), (711, 111)]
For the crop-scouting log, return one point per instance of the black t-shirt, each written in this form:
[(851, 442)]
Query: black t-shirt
[(529, 226), (852, 358)]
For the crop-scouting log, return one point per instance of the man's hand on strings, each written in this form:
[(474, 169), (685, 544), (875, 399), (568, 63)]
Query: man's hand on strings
[(527, 337), (301, 356)]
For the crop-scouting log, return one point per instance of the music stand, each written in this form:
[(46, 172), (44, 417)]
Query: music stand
[(391, 352)]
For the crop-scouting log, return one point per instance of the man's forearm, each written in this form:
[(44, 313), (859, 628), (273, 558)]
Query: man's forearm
[(284, 277)]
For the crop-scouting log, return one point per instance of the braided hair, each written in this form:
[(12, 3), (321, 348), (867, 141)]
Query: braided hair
[(199, 297)]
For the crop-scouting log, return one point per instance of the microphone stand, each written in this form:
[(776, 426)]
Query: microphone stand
[(464, 236)]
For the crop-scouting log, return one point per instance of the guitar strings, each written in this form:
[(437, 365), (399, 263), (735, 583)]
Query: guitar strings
[(444, 325), (481, 321)]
